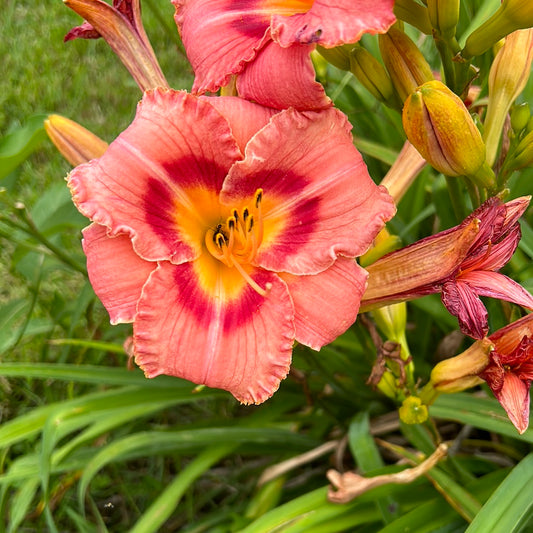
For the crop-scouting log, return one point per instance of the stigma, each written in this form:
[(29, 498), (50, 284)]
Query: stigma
[(236, 241)]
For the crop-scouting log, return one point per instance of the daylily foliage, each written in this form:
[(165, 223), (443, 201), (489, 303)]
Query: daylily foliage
[(228, 236)]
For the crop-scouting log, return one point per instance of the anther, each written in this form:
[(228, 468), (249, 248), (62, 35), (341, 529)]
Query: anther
[(258, 197)]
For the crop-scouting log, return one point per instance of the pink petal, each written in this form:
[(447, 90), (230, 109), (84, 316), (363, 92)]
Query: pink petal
[(334, 23), (221, 336), (282, 78), (220, 37), (326, 304), (497, 285), (514, 398), (245, 118), (175, 144), (116, 272), (462, 301), (318, 199)]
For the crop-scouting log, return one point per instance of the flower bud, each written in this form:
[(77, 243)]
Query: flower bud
[(523, 154), (405, 63), (520, 115), (462, 371), (372, 75), (512, 15), (440, 127), (338, 56), (508, 77), (444, 16), (76, 144)]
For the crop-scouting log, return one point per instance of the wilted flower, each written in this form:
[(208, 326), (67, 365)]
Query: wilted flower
[(267, 44), (510, 370), (224, 232), (462, 263), (440, 127), (121, 26)]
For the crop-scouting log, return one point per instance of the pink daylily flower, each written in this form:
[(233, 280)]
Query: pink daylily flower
[(224, 231), (267, 43), (462, 263), (510, 371)]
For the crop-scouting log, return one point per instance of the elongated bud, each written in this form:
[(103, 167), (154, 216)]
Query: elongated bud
[(462, 371), (444, 16), (508, 77), (523, 154), (372, 75), (512, 15), (440, 127), (405, 63), (382, 245), (338, 56), (75, 143), (414, 14)]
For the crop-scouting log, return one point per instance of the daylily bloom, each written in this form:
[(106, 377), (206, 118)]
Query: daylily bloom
[(510, 371), (462, 263), (224, 231), (121, 26), (267, 43)]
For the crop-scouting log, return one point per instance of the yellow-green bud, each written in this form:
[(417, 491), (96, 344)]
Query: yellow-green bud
[(523, 155), (440, 127), (520, 115), (405, 63), (507, 78), (462, 371), (444, 16), (76, 143), (338, 57), (413, 411), (413, 13), (512, 15), (372, 75)]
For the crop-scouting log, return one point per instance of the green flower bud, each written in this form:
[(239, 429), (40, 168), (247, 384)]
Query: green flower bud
[(440, 127), (523, 155), (372, 75), (520, 115), (444, 16), (338, 57), (405, 63)]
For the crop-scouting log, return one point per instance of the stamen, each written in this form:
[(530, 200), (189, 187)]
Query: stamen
[(251, 282)]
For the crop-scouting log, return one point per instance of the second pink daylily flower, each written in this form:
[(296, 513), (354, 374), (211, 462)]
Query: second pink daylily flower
[(224, 232), (267, 43), (461, 263)]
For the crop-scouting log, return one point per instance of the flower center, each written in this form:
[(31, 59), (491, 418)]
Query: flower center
[(235, 242)]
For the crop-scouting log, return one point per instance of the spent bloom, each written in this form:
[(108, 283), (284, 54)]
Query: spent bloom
[(461, 263), (504, 360), (224, 231), (267, 43)]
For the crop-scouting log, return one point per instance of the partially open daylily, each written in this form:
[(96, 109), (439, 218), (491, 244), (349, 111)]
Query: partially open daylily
[(462, 263), (267, 43), (224, 232), (121, 26)]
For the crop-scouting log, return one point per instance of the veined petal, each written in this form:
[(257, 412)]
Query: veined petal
[(245, 118), (514, 398), (334, 23), (220, 37), (326, 304), (318, 199), (509, 337), (462, 301), (116, 272), (418, 269), (160, 178), (283, 77), (497, 285), (201, 322)]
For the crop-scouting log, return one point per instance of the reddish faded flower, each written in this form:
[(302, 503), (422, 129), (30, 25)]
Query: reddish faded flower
[(268, 42), (462, 263), (224, 232), (510, 371)]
